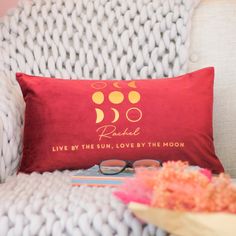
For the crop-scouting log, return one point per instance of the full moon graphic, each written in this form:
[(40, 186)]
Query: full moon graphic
[(98, 98), (116, 97), (134, 97), (134, 114)]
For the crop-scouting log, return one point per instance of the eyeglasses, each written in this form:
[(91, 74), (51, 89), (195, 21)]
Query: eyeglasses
[(113, 167)]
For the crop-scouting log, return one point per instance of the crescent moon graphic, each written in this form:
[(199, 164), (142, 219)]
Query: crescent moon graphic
[(116, 84), (132, 84), (100, 115), (116, 113)]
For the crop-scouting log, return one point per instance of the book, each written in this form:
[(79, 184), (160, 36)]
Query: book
[(93, 177)]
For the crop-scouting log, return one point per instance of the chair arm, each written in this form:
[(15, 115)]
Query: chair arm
[(11, 124)]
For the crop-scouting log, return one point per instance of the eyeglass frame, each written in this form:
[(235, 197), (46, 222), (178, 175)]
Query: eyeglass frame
[(129, 164)]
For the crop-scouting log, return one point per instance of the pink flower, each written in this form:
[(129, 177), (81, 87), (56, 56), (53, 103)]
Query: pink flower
[(207, 173), (178, 187)]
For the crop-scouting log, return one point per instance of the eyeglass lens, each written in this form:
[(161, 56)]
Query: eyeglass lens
[(116, 166), (148, 163), (112, 166)]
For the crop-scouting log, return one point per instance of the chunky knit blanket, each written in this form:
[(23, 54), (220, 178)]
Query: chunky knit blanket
[(74, 39), (47, 204)]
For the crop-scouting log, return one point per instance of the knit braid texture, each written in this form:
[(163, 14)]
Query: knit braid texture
[(76, 39)]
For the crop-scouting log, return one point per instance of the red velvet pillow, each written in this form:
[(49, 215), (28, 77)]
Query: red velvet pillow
[(77, 123)]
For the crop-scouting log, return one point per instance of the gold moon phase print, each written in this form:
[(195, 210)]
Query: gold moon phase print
[(117, 115), (134, 114), (98, 98), (134, 97), (116, 97), (100, 115), (132, 84), (116, 85), (99, 85)]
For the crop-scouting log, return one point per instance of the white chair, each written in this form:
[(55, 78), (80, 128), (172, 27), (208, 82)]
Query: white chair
[(58, 46)]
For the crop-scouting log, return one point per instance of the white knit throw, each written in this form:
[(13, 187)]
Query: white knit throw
[(74, 39), (48, 205)]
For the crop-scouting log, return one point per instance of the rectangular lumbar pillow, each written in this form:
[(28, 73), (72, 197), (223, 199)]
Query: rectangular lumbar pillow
[(72, 124)]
